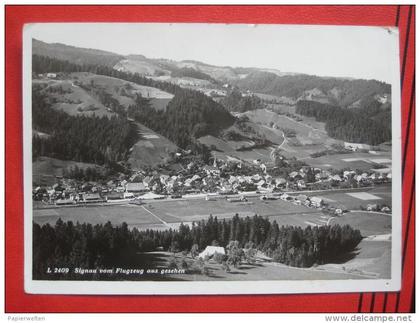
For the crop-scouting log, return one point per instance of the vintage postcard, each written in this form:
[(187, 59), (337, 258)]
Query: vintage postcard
[(211, 158)]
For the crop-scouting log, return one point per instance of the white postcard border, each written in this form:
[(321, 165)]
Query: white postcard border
[(212, 287)]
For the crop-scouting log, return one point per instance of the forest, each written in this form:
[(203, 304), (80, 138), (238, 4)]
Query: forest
[(369, 124), (186, 118), (86, 139), (190, 72), (234, 101), (103, 245)]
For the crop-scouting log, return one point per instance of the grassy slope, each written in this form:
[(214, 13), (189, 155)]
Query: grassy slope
[(226, 149), (148, 150), (45, 169), (151, 149), (76, 96)]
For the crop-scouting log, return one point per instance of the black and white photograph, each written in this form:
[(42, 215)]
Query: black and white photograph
[(202, 158)]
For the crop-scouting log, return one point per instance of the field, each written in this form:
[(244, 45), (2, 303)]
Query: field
[(151, 149), (74, 100), (352, 160), (170, 213), (312, 138), (132, 215), (226, 150), (310, 135), (305, 133), (371, 259), (369, 224), (340, 199), (262, 270)]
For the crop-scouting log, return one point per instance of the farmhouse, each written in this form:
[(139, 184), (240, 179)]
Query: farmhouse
[(335, 178), (302, 198), (284, 197), (348, 174), (322, 175), (372, 207), (280, 182), (164, 178), (136, 178), (135, 188), (356, 146), (210, 251), (151, 196), (114, 196), (65, 202), (129, 195), (92, 198), (316, 201), (301, 183)]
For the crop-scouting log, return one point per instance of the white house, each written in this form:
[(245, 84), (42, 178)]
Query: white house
[(210, 251)]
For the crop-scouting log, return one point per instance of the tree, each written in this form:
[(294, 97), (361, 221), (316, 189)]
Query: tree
[(235, 254), (194, 250), (219, 258), (83, 245), (250, 255), (172, 263)]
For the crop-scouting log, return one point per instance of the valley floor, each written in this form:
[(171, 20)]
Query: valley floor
[(371, 260)]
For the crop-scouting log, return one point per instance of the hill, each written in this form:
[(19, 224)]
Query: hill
[(189, 114), (369, 124), (188, 103), (74, 54), (84, 93), (90, 139)]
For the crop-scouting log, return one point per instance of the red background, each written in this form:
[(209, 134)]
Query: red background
[(16, 16)]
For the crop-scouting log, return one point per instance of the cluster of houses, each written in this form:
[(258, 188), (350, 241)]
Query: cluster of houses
[(301, 179), (378, 208), (48, 75), (200, 180), (301, 199), (314, 202)]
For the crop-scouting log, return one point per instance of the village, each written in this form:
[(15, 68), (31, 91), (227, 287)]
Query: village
[(222, 180)]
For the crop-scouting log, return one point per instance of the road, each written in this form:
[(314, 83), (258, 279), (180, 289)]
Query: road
[(154, 215)]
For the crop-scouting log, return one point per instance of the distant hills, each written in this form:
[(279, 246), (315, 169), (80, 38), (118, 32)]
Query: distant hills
[(195, 106), (337, 91), (74, 54)]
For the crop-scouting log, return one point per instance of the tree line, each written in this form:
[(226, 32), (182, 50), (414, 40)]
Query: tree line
[(193, 73), (358, 125), (103, 245)]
